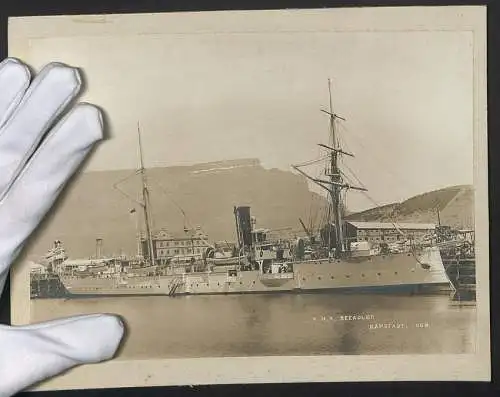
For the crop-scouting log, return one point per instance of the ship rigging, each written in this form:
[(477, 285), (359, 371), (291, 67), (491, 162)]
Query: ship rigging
[(335, 185), (145, 203), (265, 265)]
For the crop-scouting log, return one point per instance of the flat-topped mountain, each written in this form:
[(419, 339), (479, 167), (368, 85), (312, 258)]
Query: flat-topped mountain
[(206, 193), (101, 204)]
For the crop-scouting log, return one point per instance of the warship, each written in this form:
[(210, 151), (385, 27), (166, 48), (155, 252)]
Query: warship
[(258, 263)]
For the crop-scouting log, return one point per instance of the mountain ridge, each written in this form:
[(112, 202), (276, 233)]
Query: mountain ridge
[(182, 196), (92, 208), (455, 205)]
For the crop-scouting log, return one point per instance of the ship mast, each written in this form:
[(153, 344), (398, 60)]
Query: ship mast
[(336, 181), (145, 200), (334, 184)]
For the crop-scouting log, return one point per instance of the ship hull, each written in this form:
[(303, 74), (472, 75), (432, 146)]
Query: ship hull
[(391, 273), (406, 289)]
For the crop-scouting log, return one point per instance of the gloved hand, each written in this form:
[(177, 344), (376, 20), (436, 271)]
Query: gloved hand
[(44, 137)]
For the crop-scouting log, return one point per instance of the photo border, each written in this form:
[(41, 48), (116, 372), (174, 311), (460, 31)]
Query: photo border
[(197, 371)]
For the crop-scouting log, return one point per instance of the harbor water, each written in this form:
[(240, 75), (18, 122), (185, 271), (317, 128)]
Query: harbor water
[(281, 324)]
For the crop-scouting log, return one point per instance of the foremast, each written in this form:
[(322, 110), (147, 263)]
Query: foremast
[(335, 183), (145, 204)]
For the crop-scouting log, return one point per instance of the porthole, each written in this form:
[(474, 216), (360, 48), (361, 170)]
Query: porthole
[(332, 277), (362, 275), (378, 274)]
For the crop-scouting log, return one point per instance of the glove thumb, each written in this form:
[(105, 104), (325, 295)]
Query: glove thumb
[(36, 352)]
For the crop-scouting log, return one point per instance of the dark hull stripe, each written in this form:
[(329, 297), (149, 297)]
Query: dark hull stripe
[(385, 289)]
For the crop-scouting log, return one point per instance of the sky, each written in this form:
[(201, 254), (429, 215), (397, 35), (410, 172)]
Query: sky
[(406, 97)]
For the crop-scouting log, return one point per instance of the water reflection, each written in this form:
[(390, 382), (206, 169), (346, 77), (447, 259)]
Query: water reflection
[(288, 324)]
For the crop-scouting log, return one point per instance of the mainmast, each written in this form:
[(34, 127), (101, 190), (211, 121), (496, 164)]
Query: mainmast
[(336, 181), (145, 200)]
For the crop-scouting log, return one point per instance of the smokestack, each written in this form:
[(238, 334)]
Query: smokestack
[(244, 226), (98, 248)]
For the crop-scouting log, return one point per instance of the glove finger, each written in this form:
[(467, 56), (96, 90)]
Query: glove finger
[(14, 80), (44, 101), (33, 353), (44, 176)]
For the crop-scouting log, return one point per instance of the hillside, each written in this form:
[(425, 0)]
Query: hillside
[(455, 204), (93, 208)]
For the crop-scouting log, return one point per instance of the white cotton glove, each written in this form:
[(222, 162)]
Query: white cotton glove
[(43, 140)]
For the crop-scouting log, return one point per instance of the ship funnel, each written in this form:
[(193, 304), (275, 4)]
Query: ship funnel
[(98, 248), (243, 226)]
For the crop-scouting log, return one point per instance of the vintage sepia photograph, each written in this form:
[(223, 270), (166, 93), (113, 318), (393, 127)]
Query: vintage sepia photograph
[(272, 184)]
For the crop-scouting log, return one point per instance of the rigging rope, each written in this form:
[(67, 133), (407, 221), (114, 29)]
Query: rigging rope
[(374, 202), (186, 219), (310, 162), (339, 140), (394, 222), (353, 174), (388, 169)]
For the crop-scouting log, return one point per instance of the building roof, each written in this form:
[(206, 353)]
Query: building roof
[(389, 225), (164, 235)]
